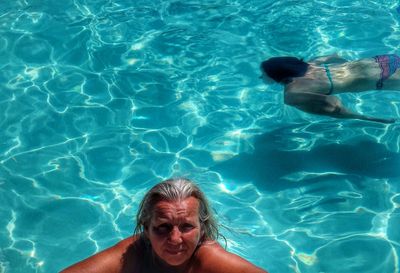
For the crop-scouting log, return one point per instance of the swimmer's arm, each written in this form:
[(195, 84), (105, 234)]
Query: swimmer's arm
[(106, 261), (325, 105), (330, 59)]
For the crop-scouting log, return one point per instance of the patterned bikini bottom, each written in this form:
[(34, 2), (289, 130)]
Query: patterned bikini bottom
[(388, 64)]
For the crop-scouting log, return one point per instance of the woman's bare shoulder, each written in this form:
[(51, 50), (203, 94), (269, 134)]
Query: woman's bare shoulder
[(125, 243), (212, 258), (108, 260)]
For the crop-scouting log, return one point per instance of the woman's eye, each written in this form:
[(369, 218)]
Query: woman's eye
[(163, 229), (186, 227)]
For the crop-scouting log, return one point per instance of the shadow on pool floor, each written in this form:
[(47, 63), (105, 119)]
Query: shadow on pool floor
[(269, 162)]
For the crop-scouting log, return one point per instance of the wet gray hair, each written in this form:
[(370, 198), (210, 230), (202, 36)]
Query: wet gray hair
[(176, 189)]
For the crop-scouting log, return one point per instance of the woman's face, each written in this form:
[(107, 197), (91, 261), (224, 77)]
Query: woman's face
[(174, 230)]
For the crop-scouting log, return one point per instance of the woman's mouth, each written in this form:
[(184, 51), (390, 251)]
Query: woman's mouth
[(174, 251)]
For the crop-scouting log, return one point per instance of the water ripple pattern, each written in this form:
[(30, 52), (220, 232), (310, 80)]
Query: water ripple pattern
[(100, 100)]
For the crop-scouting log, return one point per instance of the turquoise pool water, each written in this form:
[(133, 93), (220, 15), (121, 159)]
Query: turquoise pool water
[(100, 100)]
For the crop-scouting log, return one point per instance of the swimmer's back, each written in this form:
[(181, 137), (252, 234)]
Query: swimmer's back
[(352, 76)]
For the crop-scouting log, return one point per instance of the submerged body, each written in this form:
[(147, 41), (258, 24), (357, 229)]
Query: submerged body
[(352, 76), (311, 89)]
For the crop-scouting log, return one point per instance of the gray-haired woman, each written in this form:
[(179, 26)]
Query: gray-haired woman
[(175, 232)]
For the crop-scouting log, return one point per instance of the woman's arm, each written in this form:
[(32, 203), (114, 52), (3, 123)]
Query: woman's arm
[(106, 261), (325, 105)]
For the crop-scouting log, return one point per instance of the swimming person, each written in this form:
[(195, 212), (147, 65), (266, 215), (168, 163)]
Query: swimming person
[(310, 86), (175, 233)]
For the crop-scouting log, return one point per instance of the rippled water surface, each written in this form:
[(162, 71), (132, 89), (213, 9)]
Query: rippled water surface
[(100, 100)]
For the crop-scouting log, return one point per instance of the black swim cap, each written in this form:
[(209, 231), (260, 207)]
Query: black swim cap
[(283, 69)]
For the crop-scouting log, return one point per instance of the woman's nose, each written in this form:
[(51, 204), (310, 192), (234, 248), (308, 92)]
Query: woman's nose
[(175, 235)]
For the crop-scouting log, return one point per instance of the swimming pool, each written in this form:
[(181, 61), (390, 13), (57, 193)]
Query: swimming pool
[(100, 100)]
